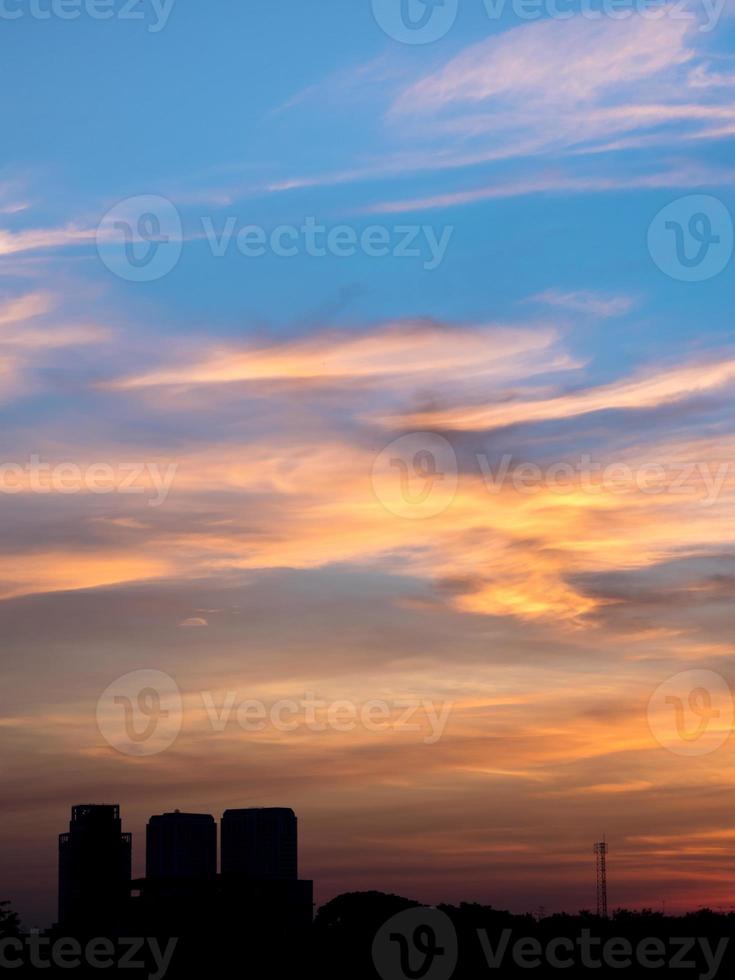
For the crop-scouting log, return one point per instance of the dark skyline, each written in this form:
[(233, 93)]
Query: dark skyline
[(258, 868), (187, 915)]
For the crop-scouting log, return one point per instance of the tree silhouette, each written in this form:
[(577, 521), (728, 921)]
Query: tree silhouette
[(9, 922)]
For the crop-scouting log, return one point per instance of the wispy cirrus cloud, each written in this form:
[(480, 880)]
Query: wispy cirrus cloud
[(583, 301), (20, 308), (388, 355), (650, 390), (573, 83), (562, 64), (35, 239), (552, 89), (32, 328), (13, 198), (558, 183), (17, 333)]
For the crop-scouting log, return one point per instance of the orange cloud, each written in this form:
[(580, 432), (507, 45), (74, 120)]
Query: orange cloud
[(55, 571), (648, 391), (419, 351)]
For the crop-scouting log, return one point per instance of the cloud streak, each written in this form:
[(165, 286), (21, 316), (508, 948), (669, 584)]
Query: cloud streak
[(388, 355), (651, 390)]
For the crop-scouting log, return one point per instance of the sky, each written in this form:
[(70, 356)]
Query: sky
[(367, 443)]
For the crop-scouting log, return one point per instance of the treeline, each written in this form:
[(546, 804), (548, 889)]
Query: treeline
[(377, 936)]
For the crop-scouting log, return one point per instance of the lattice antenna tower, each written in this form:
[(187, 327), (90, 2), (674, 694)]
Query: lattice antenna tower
[(601, 864)]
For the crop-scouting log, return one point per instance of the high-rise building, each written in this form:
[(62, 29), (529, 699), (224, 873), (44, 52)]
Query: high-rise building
[(260, 843), (94, 866), (181, 845)]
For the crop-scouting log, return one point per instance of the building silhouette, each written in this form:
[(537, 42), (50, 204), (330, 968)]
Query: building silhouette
[(94, 866), (260, 843), (181, 845), (258, 893)]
